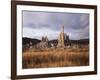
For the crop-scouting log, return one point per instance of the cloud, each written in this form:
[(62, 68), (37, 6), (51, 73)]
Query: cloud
[(38, 24), (38, 33)]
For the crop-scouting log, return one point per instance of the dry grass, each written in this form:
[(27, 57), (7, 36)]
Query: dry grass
[(57, 57)]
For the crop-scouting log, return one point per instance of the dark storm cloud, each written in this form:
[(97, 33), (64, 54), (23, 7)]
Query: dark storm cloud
[(49, 23)]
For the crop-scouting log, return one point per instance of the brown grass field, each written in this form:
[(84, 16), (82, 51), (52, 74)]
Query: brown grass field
[(56, 57)]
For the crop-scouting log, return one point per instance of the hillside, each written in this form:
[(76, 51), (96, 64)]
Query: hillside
[(26, 40)]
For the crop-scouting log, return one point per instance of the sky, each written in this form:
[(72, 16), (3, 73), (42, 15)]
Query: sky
[(38, 24)]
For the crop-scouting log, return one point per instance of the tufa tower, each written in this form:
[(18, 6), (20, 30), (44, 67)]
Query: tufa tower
[(62, 37)]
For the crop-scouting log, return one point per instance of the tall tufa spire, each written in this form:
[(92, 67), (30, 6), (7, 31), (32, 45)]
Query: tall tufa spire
[(61, 40), (63, 29)]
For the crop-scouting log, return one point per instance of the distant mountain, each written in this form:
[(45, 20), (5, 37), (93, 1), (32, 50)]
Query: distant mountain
[(26, 40), (81, 41), (55, 42)]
